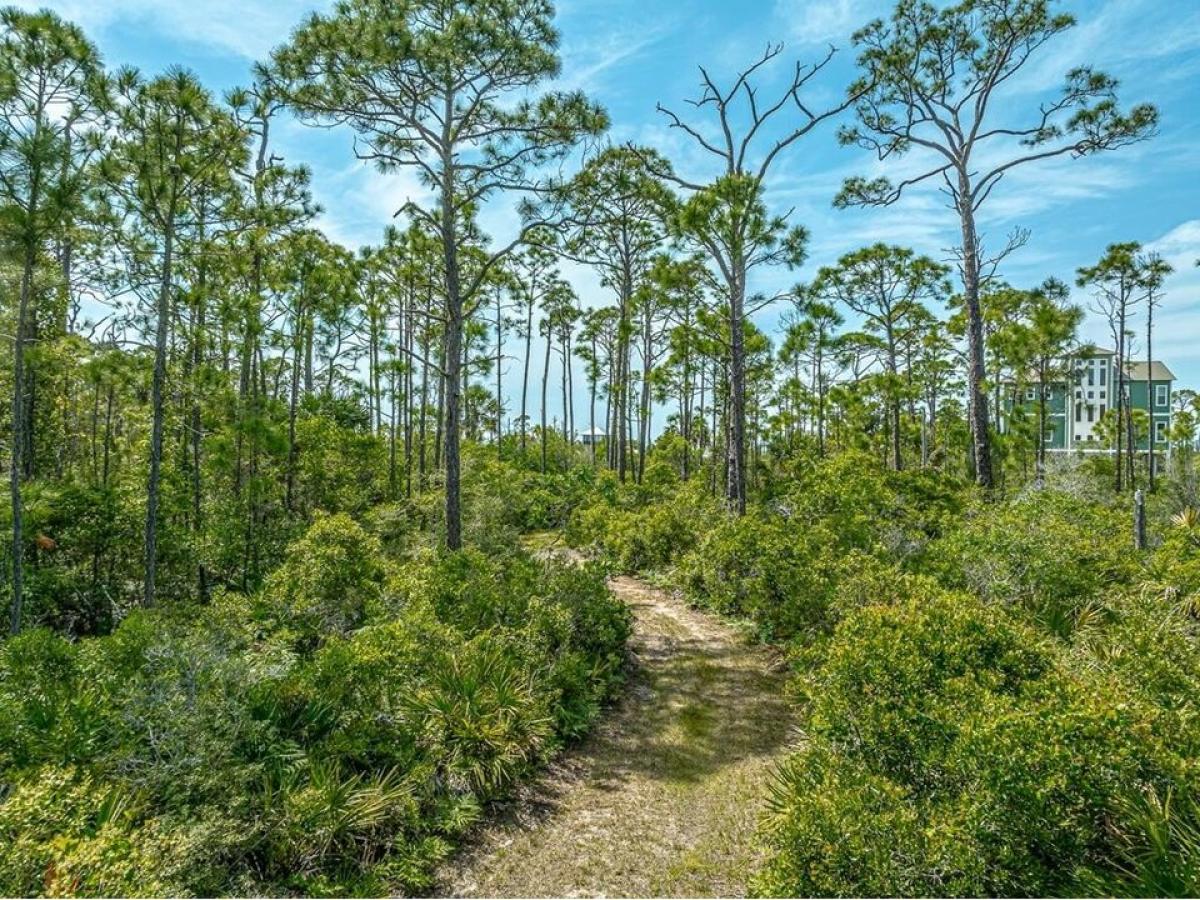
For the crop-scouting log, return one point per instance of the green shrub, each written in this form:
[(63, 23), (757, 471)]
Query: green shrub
[(765, 568), (329, 580), (333, 735), (636, 535), (1049, 553), (943, 728)]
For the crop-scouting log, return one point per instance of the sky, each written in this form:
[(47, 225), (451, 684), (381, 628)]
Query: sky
[(633, 54)]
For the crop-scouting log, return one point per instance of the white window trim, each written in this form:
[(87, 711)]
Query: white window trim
[(1162, 395)]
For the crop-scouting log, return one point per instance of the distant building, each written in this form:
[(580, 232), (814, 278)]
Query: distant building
[(1075, 405), (592, 436)]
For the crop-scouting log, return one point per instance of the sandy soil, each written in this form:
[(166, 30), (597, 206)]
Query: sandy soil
[(663, 798)]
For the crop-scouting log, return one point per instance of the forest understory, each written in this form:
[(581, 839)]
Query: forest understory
[(631, 549)]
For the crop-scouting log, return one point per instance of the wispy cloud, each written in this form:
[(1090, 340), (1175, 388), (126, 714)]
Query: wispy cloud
[(822, 21), (248, 30)]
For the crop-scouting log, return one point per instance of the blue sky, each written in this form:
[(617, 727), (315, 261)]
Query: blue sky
[(631, 54)]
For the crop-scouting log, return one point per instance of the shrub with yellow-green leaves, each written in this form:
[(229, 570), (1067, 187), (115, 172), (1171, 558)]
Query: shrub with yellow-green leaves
[(952, 749), (334, 734)]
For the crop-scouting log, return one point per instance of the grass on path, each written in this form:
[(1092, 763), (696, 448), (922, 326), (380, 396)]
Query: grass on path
[(664, 796)]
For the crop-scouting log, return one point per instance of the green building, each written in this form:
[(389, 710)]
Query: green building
[(1076, 405)]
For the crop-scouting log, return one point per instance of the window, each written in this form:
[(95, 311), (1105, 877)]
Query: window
[(1103, 375), (1091, 413), (1091, 376), (1102, 408), (1160, 431), (1161, 395), (1078, 411), (1030, 394)]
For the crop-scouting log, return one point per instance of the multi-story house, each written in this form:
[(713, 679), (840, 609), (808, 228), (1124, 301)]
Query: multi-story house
[(1076, 405)]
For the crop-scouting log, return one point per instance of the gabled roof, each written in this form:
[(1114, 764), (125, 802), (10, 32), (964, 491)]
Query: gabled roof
[(1158, 371)]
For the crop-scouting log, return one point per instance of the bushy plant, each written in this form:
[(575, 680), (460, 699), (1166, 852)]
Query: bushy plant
[(772, 570), (329, 580), (333, 735), (960, 737), (1049, 553), (635, 534)]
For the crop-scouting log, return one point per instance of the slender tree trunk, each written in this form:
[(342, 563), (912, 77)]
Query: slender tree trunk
[(197, 425), (894, 402), (525, 371), (1150, 388), (562, 355), (440, 419), (158, 382), (595, 375), (293, 404), (407, 381), (454, 366), (545, 385), (18, 437), (1120, 380), (980, 437), (308, 356), (1040, 458), (735, 486), (569, 357), (421, 421), (499, 389), (609, 433), (623, 373), (644, 403)]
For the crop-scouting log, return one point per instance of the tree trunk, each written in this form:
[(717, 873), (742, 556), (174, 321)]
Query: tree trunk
[(595, 376), (499, 375), (735, 485), (156, 402), (545, 384), (894, 402), (1150, 388), (453, 381), (525, 373), (293, 404), (18, 439), (1120, 379), (980, 438)]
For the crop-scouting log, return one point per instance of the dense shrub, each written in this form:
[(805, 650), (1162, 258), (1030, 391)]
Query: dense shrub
[(771, 570), (333, 734), (636, 535), (954, 735), (1050, 553), (330, 579)]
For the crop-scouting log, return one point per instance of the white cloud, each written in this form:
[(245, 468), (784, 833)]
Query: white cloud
[(823, 22), (586, 62), (244, 28)]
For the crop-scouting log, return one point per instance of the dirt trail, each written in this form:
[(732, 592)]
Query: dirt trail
[(662, 799)]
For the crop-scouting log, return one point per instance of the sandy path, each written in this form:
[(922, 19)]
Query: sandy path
[(662, 798)]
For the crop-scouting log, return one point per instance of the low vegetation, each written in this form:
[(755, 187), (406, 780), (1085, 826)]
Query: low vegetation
[(996, 698), (335, 732)]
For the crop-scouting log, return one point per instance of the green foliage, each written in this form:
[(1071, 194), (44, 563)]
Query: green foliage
[(333, 735), (945, 728), (330, 579), (765, 568), (635, 535), (1050, 553)]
